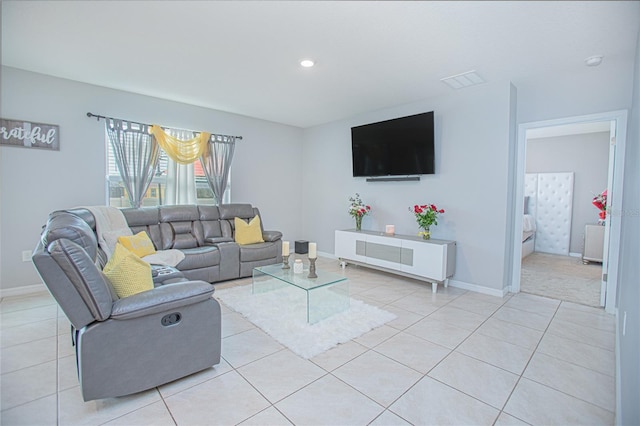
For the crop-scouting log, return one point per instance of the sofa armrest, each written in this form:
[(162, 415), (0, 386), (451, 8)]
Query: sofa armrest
[(161, 299), (216, 240), (270, 236)]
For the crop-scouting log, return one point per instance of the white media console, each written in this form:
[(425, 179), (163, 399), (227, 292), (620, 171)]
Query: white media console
[(433, 261)]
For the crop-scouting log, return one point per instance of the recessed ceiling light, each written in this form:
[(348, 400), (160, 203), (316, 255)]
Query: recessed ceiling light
[(593, 61), (307, 63)]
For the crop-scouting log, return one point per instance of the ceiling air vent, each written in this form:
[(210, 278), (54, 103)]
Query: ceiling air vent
[(466, 79)]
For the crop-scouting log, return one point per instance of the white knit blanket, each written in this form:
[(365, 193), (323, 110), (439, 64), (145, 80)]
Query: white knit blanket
[(111, 224), (165, 257)]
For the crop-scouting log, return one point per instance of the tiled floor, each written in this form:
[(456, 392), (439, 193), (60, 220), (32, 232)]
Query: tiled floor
[(455, 357)]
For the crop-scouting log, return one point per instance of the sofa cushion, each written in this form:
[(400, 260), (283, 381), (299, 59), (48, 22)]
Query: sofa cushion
[(163, 299), (210, 223), (181, 213), (231, 211), (66, 226), (127, 273), (178, 235), (260, 251), (199, 257), (86, 278), (138, 244), (272, 236), (180, 227), (248, 233), (145, 219)]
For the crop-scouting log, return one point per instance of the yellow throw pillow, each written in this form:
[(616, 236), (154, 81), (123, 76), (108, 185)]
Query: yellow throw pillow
[(139, 244), (250, 233), (127, 273)]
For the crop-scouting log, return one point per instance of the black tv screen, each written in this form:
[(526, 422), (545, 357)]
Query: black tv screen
[(402, 146)]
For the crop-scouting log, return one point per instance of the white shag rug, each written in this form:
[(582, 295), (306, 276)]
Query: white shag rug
[(282, 314)]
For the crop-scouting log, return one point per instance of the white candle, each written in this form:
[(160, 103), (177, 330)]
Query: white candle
[(285, 248), (312, 251), (390, 229)]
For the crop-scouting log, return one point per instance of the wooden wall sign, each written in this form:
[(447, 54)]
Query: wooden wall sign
[(29, 135)]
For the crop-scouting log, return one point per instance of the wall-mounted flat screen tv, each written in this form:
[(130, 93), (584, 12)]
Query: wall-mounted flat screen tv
[(399, 147)]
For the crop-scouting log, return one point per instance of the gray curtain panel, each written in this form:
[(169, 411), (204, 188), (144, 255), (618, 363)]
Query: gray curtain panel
[(136, 153), (216, 163)]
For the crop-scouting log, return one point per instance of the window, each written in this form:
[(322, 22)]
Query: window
[(117, 194)]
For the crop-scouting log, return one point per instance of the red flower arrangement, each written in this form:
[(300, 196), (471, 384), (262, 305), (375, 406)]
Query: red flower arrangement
[(426, 215), (600, 201)]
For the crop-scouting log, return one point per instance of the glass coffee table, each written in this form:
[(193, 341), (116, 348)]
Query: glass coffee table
[(324, 296)]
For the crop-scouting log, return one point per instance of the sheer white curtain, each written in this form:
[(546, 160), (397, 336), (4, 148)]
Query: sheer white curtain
[(181, 182)]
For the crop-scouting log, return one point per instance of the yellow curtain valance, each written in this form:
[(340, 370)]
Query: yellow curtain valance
[(183, 152)]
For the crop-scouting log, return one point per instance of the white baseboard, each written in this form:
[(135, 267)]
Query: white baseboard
[(453, 283), (23, 290), (478, 288), (329, 255), (575, 254)]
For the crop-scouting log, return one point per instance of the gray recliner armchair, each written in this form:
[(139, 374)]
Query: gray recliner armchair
[(128, 345)]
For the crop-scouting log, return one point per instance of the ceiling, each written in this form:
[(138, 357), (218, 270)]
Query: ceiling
[(243, 57)]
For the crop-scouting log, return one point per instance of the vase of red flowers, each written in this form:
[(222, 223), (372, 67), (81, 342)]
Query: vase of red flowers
[(358, 210), (426, 215), (600, 201)]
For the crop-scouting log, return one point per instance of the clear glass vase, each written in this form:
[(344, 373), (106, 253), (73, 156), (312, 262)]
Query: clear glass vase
[(358, 223), (425, 233)]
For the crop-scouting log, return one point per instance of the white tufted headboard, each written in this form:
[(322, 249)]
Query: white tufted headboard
[(552, 207)]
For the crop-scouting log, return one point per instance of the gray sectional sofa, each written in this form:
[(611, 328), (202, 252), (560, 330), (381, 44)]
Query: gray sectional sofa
[(205, 234), (127, 345)]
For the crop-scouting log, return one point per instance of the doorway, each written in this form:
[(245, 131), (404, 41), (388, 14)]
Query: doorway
[(614, 186), (566, 167)]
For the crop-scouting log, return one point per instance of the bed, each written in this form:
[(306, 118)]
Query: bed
[(528, 235)]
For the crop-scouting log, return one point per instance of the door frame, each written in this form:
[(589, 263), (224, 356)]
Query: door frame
[(614, 199)]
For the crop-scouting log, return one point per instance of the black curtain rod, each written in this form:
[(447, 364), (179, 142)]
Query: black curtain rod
[(98, 117)]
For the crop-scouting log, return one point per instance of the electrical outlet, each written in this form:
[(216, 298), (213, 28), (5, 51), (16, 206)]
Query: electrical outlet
[(26, 255)]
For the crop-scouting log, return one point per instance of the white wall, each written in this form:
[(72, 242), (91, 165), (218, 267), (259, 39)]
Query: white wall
[(35, 182), (302, 190), (628, 345), (609, 87), (597, 89), (587, 156), (472, 158), (475, 160)]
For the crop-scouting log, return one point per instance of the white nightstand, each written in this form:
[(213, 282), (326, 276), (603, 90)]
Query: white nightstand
[(593, 243)]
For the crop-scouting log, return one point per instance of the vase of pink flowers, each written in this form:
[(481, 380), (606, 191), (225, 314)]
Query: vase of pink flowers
[(426, 215), (358, 210)]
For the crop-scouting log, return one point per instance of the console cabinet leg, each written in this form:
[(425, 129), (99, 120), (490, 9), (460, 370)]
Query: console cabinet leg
[(434, 287), (446, 282)]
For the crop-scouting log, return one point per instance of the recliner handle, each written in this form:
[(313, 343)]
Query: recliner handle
[(171, 319)]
